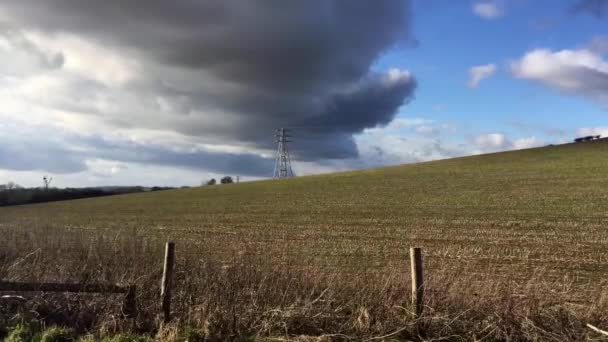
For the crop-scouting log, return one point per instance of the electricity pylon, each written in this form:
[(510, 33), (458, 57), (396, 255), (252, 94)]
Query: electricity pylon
[(282, 164)]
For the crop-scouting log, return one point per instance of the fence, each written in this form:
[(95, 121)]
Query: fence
[(129, 308), (130, 291)]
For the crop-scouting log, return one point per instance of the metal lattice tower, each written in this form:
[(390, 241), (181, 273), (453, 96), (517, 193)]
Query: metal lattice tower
[(282, 164)]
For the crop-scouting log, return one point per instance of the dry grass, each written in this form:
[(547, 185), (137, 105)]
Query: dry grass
[(276, 298)]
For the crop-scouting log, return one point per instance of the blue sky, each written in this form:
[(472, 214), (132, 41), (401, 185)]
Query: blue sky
[(176, 92), (453, 38)]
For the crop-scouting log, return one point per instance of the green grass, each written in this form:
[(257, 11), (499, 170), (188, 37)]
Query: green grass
[(24, 333), (20, 333), (538, 213)]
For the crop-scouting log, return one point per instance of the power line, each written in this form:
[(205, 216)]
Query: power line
[(282, 164)]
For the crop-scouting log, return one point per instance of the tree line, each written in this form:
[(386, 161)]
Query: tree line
[(14, 194), (224, 180)]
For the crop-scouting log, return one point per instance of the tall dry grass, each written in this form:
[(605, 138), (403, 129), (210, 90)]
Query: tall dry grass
[(247, 293)]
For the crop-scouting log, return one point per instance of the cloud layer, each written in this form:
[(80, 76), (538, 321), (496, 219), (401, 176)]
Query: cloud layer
[(226, 72)]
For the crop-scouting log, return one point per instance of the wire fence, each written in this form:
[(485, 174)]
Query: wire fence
[(51, 254)]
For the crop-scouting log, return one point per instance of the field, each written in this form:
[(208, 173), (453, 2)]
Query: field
[(515, 249)]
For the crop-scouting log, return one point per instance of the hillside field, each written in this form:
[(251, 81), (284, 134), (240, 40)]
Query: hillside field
[(510, 218)]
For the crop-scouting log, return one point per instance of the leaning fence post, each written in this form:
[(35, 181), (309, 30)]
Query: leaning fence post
[(165, 290), (417, 281)]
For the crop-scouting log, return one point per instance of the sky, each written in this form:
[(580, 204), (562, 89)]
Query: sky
[(172, 93)]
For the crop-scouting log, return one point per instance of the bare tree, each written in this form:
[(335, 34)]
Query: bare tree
[(47, 182)]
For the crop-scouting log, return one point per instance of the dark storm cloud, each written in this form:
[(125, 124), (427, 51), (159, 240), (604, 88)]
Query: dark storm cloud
[(257, 64), (372, 103), (599, 8), (275, 44)]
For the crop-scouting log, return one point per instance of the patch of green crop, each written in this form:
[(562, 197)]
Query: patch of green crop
[(126, 338)]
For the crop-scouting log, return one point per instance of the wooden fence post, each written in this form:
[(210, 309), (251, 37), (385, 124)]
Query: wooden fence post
[(417, 281), (165, 290)]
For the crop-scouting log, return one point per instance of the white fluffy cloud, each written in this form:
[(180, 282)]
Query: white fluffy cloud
[(431, 141), (479, 73), (89, 61), (382, 148), (585, 131), (528, 142), (491, 141), (488, 9), (579, 72), (494, 142)]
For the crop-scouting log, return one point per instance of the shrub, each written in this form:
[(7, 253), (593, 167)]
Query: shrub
[(126, 338), (58, 334), (189, 334), (20, 333)]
